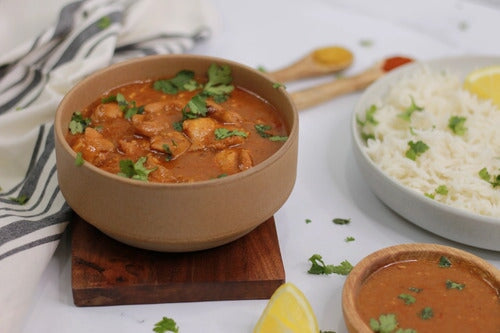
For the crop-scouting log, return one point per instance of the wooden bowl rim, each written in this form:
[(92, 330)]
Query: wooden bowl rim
[(395, 253)]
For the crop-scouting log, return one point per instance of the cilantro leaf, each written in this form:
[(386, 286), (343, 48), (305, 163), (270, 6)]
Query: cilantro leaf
[(444, 262), (79, 159), (223, 133), (456, 124), (369, 116), (129, 109), (166, 325), (406, 114), (78, 123), (318, 266), (277, 85), (493, 180), (341, 221), (349, 239), (219, 82), (416, 149), (183, 81), (426, 313), (195, 108), (408, 299), (386, 323), (263, 131), (22, 199), (104, 22), (454, 285), (135, 170)]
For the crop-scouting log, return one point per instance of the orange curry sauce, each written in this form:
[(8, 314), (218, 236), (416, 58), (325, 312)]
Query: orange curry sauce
[(184, 153), (460, 299)]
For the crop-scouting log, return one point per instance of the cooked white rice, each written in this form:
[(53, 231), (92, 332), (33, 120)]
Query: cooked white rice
[(451, 160)]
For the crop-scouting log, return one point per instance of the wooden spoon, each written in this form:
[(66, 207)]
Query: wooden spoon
[(321, 61), (323, 92)]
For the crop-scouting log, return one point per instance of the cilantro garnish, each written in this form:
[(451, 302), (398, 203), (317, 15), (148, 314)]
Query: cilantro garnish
[(177, 126), (386, 323), (456, 124), (341, 221), (21, 199), (444, 262), (416, 149), (454, 285), (441, 189), (168, 152), (219, 83), (223, 133), (408, 299), (319, 267), (183, 81), (426, 313), (78, 123), (349, 239), (493, 180), (263, 131), (166, 325), (135, 170), (262, 69), (369, 116), (277, 85), (79, 159), (406, 114), (195, 108)]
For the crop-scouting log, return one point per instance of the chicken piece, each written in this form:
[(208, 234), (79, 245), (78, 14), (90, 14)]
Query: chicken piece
[(149, 126), (233, 160), (91, 144), (224, 116), (160, 174), (172, 144), (201, 131), (105, 112), (134, 148)]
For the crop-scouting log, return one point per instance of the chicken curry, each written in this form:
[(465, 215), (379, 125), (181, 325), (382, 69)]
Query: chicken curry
[(180, 129)]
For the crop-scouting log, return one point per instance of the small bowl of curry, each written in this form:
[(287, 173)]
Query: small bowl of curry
[(422, 288), (176, 153)]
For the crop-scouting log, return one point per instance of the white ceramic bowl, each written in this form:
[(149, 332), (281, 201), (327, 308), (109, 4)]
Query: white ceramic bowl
[(453, 223)]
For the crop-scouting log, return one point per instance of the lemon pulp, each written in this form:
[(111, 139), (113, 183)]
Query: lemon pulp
[(288, 310)]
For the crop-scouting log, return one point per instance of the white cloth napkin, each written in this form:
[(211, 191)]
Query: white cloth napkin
[(41, 58)]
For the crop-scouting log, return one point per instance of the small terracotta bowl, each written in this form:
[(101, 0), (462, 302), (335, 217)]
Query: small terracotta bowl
[(404, 252), (175, 217)]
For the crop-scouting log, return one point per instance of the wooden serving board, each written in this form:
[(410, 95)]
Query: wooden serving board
[(107, 272)]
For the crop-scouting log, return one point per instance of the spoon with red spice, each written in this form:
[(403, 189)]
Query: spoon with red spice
[(306, 98)]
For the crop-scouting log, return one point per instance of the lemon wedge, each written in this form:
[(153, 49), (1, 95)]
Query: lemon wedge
[(485, 83), (288, 310)]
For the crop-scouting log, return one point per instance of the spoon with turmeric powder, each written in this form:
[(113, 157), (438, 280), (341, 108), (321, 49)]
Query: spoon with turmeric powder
[(322, 61)]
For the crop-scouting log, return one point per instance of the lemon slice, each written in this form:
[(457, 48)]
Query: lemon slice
[(485, 83), (288, 311)]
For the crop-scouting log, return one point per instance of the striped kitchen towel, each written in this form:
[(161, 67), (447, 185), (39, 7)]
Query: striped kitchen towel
[(35, 73)]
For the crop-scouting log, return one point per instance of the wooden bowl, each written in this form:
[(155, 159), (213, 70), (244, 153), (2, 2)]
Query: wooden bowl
[(373, 262), (175, 217)]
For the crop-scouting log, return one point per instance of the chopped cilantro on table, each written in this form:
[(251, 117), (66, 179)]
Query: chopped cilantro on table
[(22, 199), (416, 149), (308, 221), (135, 170), (223, 133), (457, 125), (104, 22), (166, 325), (406, 114), (319, 267), (454, 285), (78, 123), (349, 239), (341, 221)]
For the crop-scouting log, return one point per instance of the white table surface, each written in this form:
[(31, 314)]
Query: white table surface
[(329, 184)]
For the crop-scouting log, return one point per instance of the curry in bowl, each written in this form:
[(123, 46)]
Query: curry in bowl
[(177, 129)]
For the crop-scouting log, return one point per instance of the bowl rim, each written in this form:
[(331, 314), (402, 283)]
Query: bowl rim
[(391, 254), (292, 135), (382, 85)]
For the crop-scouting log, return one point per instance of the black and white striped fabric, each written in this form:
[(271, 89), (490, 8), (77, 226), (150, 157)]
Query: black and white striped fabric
[(87, 36)]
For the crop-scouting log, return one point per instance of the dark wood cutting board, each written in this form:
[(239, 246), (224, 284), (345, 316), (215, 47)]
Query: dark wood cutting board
[(107, 272)]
